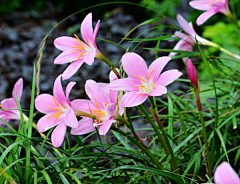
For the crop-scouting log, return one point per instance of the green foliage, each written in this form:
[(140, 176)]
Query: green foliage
[(8, 6)]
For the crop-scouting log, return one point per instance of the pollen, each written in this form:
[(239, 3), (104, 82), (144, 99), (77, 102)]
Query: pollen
[(139, 78)]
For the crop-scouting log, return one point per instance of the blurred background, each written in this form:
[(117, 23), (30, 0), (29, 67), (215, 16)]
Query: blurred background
[(24, 24)]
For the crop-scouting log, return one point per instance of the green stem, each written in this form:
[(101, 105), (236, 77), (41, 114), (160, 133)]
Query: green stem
[(146, 151), (159, 136), (8, 178), (100, 56), (206, 143), (206, 42), (42, 135), (229, 15)]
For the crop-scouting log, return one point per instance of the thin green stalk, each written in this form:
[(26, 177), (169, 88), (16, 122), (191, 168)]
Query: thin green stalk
[(146, 151), (206, 143), (174, 165), (8, 178), (229, 15)]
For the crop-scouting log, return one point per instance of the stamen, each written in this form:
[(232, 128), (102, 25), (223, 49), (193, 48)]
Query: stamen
[(139, 78), (150, 75), (79, 44), (146, 89), (97, 104), (88, 43), (54, 108), (105, 104), (78, 39), (139, 86), (76, 50), (152, 85), (63, 105), (55, 101), (81, 55)]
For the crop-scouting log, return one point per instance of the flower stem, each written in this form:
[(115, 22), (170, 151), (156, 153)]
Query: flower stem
[(100, 56), (229, 15), (8, 178), (206, 42), (165, 147)]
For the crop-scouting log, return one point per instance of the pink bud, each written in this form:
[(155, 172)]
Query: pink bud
[(192, 75)]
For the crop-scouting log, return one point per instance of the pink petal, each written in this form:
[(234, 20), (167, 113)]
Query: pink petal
[(58, 134), (69, 88), (104, 87), (82, 105), (126, 84), (46, 123), (113, 96), (133, 64), (96, 94), (58, 91), (105, 126), (199, 5), (185, 25), (65, 42), (9, 104), (7, 115), (72, 69), (86, 28), (192, 73), (225, 174), (112, 75), (159, 91), (85, 126), (95, 33), (168, 77), (18, 87), (43, 101), (89, 58), (70, 119), (204, 16), (156, 68), (67, 56), (132, 99)]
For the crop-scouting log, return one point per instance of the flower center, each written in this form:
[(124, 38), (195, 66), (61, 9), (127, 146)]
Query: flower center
[(146, 86), (59, 109), (82, 47), (2, 108), (98, 112)]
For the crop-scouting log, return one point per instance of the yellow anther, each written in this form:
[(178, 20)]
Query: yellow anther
[(152, 85), (79, 39), (105, 104), (139, 86), (97, 104), (88, 43), (146, 89), (150, 75), (139, 78), (63, 105), (55, 101), (81, 54)]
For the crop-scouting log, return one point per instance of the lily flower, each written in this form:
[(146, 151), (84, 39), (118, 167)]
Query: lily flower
[(76, 51), (9, 106), (210, 7), (142, 81), (58, 110), (188, 40), (224, 174), (104, 104)]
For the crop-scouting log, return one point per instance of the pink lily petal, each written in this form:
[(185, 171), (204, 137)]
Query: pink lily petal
[(58, 134), (85, 126), (82, 105), (65, 42), (43, 101), (96, 94), (177, 47), (69, 88), (18, 87), (72, 69), (156, 67), (58, 91), (95, 33), (86, 28), (133, 64), (112, 75), (70, 119), (89, 59), (67, 56), (104, 87), (9, 114), (168, 77), (185, 25), (225, 174), (131, 99), (9, 104), (204, 16), (126, 84), (106, 126), (159, 91), (46, 123), (113, 96), (199, 5)]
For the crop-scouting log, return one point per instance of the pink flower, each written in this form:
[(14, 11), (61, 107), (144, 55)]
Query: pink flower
[(104, 103), (142, 81), (58, 110), (192, 75), (9, 106), (188, 40), (224, 174), (210, 7), (76, 51)]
